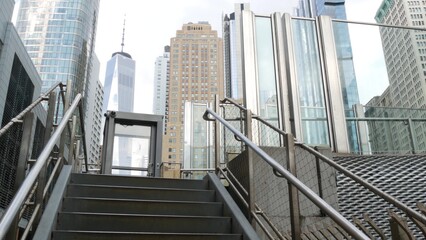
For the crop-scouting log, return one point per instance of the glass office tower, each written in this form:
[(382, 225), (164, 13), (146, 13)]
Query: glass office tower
[(59, 36)]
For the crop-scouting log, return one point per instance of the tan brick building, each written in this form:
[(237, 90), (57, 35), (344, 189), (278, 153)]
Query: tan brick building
[(196, 75)]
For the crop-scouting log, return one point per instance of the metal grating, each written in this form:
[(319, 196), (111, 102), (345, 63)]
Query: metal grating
[(401, 176)]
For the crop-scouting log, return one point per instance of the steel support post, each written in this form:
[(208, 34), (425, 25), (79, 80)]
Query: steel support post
[(250, 153), (292, 190), (108, 143), (46, 137), (65, 109), (24, 153), (72, 141), (77, 168), (216, 126), (413, 140)]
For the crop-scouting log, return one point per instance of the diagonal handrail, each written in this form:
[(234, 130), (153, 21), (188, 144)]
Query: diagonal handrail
[(19, 117), (388, 198), (14, 207), (331, 212)]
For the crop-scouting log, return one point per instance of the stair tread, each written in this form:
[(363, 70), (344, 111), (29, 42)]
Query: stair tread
[(139, 233), (146, 215), (143, 223), (71, 234), (142, 200), (132, 192), (137, 181), (140, 187)]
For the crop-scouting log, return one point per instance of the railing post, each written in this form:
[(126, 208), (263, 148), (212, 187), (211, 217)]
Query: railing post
[(65, 109), (251, 194), (292, 190), (216, 125), (46, 137), (77, 164), (72, 141), (24, 152), (413, 140)]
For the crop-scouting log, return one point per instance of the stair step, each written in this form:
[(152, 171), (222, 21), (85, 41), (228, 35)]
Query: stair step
[(117, 180), (93, 235), (125, 192), (126, 206), (142, 223)]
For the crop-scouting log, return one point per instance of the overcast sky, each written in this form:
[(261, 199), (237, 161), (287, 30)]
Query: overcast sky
[(151, 24)]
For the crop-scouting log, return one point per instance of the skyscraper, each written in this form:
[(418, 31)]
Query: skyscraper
[(119, 86), (407, 72), (119, 92), (405, 57), (59, 36), (93, 121), (232, 51), (196, 75), (161, 78)]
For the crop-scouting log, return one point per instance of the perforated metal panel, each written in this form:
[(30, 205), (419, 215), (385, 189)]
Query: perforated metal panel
[(403, 177)]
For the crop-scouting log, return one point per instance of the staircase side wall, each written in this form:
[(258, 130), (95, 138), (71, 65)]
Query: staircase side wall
[(271, 192)]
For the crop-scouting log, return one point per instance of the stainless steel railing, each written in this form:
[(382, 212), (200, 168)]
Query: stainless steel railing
[(31, 185), (381, 194), (324, 206)]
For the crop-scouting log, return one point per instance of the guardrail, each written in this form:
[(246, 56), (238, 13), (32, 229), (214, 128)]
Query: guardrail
[(294, 181), (37, 184)]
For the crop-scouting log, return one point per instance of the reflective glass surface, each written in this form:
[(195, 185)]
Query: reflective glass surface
[(309, 78)]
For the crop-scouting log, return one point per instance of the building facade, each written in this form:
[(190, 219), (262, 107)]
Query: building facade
[(93, 121), (196, 75), (59, 36), (405, 57), (161, 79)]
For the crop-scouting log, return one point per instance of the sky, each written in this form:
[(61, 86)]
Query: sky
[(151, 24)]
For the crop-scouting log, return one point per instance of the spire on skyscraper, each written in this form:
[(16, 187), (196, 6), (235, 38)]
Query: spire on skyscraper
[(124, 29), (122, 53)]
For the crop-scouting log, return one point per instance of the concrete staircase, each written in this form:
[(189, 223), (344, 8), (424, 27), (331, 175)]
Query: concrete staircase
[(124, 207)]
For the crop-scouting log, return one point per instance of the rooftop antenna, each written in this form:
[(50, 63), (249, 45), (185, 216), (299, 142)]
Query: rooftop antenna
[(124, 29)]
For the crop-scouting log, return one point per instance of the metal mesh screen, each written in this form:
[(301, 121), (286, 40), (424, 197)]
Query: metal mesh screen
[(19, 96)]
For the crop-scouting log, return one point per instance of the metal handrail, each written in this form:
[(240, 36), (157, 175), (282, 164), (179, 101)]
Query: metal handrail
[(19, 117), (319, 202), (409, 211), (18, 200)]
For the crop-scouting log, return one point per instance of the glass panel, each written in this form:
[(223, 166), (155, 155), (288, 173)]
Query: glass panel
[(309, 78), (347, 78), (266, 75), (131, 149), (198, 140)]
